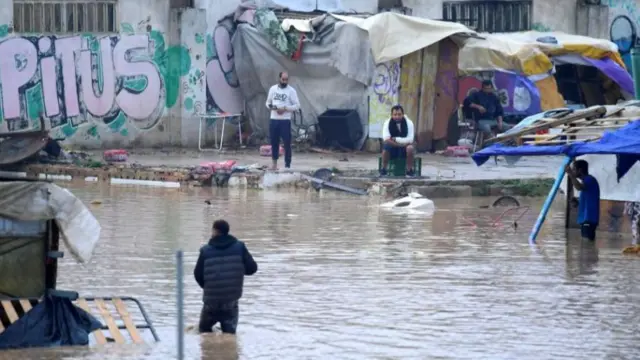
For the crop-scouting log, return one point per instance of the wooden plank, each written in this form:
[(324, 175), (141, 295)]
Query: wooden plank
[(598, 111), (555, 136), (100, 338), (111, 324), (10, 311), (26, 305), (126, 318), (553, 142)]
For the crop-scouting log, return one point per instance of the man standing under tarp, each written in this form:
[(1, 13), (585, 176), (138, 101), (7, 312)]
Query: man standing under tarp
[(220, 271), (589, 201), (283, 101)]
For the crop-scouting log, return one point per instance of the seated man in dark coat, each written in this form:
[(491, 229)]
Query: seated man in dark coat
[(220, 272), (398, 136), (486, 109)]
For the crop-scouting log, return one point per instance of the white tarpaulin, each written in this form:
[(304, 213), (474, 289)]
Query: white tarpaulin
[(394, 35), (603, 167), (32, 201), (310, 5)]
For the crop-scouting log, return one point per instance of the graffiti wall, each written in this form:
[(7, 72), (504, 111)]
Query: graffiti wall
[(384, 94), (624, 18), (518, 95), (90, 87), (223, 88)]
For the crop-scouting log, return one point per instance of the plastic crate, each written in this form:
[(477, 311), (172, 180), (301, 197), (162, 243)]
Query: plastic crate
[(398, 167)]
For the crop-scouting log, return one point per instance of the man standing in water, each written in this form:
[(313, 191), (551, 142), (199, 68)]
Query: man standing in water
[(397, 135), (220, 272), (589, 201), (283, 101)]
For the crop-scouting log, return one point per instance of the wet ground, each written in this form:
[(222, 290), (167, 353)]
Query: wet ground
[(433, 166), (341, 279)]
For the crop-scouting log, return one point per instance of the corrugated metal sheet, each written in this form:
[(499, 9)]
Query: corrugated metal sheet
[(281, 15), (18, 228)]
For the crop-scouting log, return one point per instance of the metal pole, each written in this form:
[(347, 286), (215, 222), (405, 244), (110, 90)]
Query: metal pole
[(180, 303), (548, 202)]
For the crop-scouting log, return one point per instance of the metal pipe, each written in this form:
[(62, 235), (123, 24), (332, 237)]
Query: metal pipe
[(180, 298), (548, 201)]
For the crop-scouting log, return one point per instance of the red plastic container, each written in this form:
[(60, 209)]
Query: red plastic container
[(117, 155), (265, 150)]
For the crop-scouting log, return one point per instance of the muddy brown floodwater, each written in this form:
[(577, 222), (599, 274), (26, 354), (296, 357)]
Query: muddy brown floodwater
[(341, 279)]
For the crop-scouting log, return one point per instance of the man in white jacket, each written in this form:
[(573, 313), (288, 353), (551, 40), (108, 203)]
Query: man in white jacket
[(283, 101), (398, 137)]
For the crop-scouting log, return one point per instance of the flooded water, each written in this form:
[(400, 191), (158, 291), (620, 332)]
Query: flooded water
[(340, 278)]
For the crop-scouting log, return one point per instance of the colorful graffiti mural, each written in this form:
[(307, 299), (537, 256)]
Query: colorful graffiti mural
[(518, 95), (223, 88), (623, 28), (384, 93), (117, 83)]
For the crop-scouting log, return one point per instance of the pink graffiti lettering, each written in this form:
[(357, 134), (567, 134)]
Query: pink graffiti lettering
[(138, 106), (19, 65), (65, 51), (74, 80), (97, 105), (222, 83)]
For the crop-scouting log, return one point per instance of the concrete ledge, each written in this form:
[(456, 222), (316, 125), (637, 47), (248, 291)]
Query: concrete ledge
[(181, 177), (453, 188)]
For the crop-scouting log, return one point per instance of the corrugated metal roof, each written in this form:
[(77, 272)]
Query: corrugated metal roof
[(298, 15)]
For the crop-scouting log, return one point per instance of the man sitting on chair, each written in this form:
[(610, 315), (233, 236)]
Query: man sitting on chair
[(487, 109), (397, 137)]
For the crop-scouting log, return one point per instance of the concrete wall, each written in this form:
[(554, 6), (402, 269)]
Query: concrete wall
[(146, 85), (140, 87)]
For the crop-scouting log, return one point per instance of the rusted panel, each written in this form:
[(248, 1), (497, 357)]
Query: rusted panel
[(446, 85), (410, 84), (424, 128), (16, 149)]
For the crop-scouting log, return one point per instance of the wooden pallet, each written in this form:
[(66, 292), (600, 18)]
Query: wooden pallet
[(111, 312), (581, 125)]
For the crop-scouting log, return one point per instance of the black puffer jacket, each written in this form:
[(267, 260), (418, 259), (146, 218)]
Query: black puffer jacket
[(221, 268)]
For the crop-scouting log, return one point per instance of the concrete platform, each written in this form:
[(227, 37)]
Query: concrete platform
[(434, 167), (442, 176)]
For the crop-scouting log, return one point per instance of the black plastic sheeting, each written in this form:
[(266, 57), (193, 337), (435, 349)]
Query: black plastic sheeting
[(55, 321)]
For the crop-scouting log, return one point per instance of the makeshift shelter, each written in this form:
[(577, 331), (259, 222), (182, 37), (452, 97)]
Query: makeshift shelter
[(330, 66), (416, 66), (591, 132), (336, 62), (539, 71)]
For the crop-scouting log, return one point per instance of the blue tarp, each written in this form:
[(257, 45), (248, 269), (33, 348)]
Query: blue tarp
[(55, 321), (624, 142)]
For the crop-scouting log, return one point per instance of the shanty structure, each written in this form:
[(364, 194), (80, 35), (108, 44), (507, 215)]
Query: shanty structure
[(599, 130)]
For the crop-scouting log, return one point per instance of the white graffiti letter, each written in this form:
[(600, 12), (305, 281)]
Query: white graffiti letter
[(102, 104), (18, 64), (65, 51), (143, 105), (49, 78), (221, 78)]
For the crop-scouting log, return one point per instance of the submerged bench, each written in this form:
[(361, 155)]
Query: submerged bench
[(117, 323)]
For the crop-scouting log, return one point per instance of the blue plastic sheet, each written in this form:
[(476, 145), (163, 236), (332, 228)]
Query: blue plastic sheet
[(55, 321), (624, 142)]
